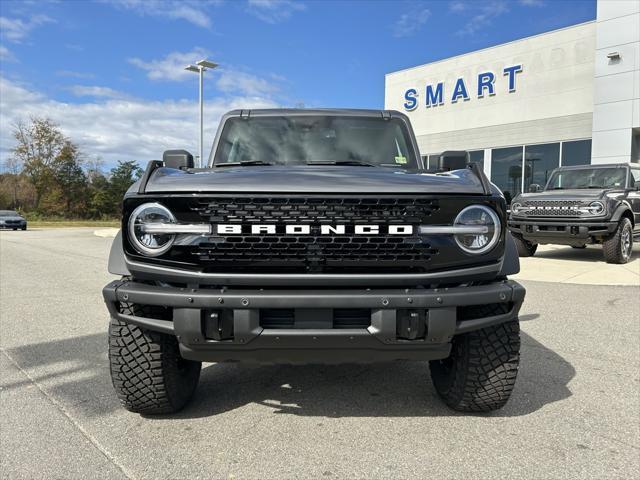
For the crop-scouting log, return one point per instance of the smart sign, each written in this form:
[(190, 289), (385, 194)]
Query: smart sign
[(437, 94)]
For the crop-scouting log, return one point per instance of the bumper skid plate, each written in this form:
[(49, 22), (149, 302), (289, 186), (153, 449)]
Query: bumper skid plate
[(239, 334), (561, 232)]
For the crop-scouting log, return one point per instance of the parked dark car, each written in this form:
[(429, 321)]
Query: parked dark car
[(581, 205), (12, 219), (313, 236)]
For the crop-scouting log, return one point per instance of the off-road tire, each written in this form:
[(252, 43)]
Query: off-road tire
[(24, 228), (147, 371), (481, 371), (616, 249), (525, 249)]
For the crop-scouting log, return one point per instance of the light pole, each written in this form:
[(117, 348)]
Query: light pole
[(200, 67)]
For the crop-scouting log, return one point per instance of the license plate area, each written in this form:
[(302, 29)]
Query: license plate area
[(315, 318)]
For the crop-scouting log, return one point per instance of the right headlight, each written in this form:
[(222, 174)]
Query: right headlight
[(482, 232), (596, 208), (144, 238), (516, 208)]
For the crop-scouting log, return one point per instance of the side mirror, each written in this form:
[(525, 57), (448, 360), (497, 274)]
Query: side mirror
[(636, 184), (179, 159), (535, 188), (453, 160)]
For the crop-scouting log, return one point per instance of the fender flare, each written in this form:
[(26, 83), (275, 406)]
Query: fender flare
[(511, 262), (117, 264), (620, 210)]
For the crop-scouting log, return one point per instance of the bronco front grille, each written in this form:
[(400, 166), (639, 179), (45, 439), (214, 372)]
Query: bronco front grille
[(315, 252), (551, 208)]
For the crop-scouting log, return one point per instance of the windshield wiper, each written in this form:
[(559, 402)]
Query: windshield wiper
[(243, 163), (355, 163), (556, 188)]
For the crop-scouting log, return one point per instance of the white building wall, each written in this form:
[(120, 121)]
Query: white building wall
[(553, 99), (616, 114)]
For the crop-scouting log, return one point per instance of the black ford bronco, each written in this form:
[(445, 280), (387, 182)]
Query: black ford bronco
[(312, 236), (581, 205)]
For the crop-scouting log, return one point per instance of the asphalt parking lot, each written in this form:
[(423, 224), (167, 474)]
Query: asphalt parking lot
[(574, 412)]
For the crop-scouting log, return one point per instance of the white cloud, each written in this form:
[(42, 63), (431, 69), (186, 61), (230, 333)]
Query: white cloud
[(484, 15), (228, 79), (75, 47), (409, 23), (457, 6), (239, 82), (74, 74), (171, 67), (531, 3), (193, 11), (5, 54), (16, 29), (118, 129), (274, 11), (96, 92)]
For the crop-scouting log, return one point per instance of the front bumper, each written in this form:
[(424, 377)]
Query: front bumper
[(445, 312), (13, 225), (561, 231)]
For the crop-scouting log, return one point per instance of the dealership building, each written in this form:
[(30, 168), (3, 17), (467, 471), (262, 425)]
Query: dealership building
[(523, 108)]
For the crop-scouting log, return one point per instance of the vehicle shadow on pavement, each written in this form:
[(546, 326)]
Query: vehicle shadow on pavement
[(401, 389), (76, 373), (590, 254)]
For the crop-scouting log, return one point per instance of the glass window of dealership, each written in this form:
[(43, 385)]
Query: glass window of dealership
[(561, 98), (514, 169)]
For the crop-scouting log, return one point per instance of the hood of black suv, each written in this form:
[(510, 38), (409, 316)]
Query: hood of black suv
[(569, 194), (311, 179)]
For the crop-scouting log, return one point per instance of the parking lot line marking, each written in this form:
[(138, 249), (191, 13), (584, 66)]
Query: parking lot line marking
[(64, 412)]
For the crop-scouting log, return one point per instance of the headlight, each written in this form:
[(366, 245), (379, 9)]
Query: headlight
[(477, 216), (596, 208), (146, 242), (516, 208)]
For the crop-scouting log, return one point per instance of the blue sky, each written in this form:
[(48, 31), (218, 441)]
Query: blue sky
[(110, 73)]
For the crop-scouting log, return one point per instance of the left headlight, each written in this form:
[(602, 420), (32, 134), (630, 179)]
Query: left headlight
[(516, 208), (482, 232), (596, 208), (141, 231)]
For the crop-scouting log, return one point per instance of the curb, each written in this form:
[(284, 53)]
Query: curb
[(560, 264), (106, 232)]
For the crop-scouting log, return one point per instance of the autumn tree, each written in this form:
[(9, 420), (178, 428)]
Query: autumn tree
[(38, 145), (69, 176), (13, 169), (122, 177)]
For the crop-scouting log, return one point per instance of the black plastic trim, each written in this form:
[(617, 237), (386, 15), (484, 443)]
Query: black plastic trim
[(117, 264), (152, 166), (486, 185), (252, 342), (167, 274)]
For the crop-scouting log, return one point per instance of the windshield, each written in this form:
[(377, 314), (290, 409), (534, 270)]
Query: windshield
[(301, 140), (588, 178), (8, 213)]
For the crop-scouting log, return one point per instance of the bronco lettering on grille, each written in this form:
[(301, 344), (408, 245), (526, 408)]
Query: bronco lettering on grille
[(305, 229)]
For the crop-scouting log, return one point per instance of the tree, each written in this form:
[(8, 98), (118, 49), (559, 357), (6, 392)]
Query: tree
[(100, 204), (93, 167), (39, 143), (13, 168), (122, 177), (69, 176)]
